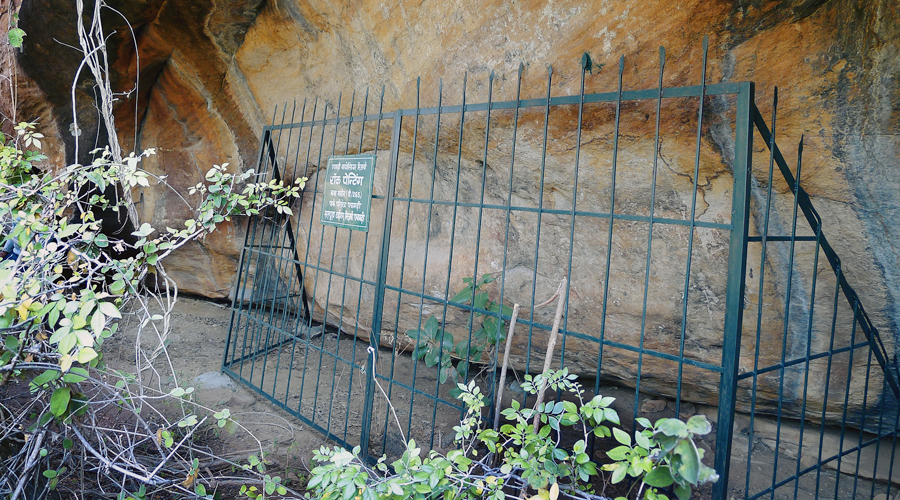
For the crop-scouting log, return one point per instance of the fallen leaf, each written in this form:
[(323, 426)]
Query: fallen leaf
[(189, 482)]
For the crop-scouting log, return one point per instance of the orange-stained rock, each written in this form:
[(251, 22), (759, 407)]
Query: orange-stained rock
[(213, 72)]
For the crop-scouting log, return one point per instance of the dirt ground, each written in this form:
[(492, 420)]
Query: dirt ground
[(195, 346), (197, 341)]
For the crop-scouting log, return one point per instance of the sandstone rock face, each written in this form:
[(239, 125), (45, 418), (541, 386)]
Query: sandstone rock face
[(211, 73)]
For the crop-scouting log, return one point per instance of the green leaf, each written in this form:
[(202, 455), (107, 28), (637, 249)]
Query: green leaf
[(621, 436), (16, 37), (53, 317), (144, 231), (101, 241), (59, 401), (481, 300), (45, 377), (12, 342), (618, 453), (643, 441), (431, 356), (462, 348), (660, 477), (109, 309), (446, 341), (611, 415), (462, 368), (464, 295), (683, 492), (431, 328), (75, 375), (45, 418), (579, 446), (67, 343), (86, 355), (619, 474), (672, 427), (690, 460), (98, 321), (84, 338), (699, 425), (554, 423), (187, 421)]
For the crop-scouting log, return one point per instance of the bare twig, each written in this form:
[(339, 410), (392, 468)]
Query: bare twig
[(551, 345), (509, 336), (29, 463), (155, 481)]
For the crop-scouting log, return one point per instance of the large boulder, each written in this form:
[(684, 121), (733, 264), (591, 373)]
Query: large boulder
[(211, 72)]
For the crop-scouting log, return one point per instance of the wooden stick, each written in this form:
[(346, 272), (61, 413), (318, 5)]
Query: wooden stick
[(509, 336), (551, 345)]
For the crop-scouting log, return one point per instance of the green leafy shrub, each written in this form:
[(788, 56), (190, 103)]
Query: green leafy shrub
[(438, 346), (65, 293), (519, 462), (68, 288)]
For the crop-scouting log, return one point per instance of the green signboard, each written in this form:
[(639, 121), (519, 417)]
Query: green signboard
[(348, 192)]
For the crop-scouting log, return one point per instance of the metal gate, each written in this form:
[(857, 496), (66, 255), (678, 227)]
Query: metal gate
[(501, 200)]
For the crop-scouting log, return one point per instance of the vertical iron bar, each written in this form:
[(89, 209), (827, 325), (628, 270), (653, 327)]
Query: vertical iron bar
[(281, 238), (311, 307), (637, 384), (809, 341), (442, 331), (762, 281), (487, 134), (412, 178), (320, 349), (537, 237), (293, 243), (837, 482), (366, 426), (565, 318), (263, 349), (362, 270), (512, 163), (890, 475), (337, 124), (375, 338), (862, 427), (787, 315), (837, 295), (687, 272), (257, 306), (609, 236), (340, 327), (734, 294), (434, 168)]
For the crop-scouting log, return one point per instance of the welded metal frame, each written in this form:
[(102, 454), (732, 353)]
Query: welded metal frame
[(266, 242)]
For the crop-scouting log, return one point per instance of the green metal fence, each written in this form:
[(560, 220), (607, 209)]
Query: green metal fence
[(697, 273)]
